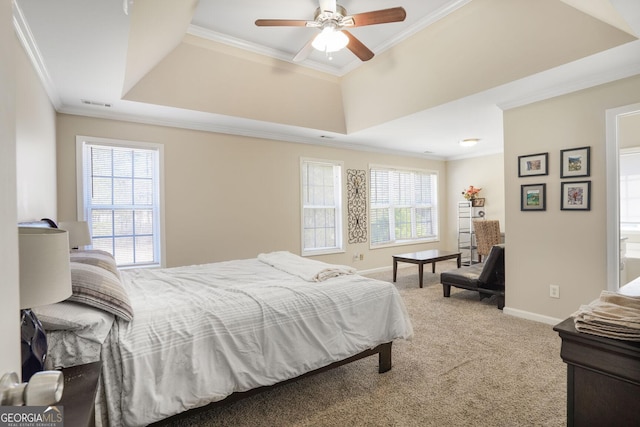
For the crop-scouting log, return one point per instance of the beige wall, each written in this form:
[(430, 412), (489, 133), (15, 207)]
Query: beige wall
[(449, 59), (9, 303), (229, 197), (36, 147), (486, 172), (558, 247), (27, 172), (211, 77)]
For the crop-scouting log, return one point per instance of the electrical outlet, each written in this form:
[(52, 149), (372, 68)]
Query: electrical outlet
[(361, 257), (554, 291)]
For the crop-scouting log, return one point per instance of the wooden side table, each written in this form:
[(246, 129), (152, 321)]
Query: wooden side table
[(79, 393)]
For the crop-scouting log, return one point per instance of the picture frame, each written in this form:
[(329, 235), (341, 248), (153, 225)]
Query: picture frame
[(533, 165), (478, 202), (575, 162), (575, 196), (533, 197)]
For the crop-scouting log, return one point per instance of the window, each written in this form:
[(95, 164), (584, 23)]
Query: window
[(403, 206), (120, 188), (321, 206)]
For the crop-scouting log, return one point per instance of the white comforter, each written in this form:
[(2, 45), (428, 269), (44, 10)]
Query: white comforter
[(203, 332)]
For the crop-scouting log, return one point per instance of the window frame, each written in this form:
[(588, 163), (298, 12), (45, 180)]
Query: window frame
[(83, 207), (339, 226), (435, 204)]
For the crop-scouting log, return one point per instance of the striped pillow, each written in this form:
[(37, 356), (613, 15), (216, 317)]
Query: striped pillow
[(96, 257), (97, 287)]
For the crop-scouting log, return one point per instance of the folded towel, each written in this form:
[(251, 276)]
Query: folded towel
[(613, 315), (307, 269)]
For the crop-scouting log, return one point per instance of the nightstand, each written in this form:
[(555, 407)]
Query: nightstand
[(79, 393)]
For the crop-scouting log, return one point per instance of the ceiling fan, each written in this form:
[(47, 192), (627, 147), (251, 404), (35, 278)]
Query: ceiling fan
[(332, 19)]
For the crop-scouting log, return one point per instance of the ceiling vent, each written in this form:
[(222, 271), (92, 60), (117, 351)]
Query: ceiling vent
[(96, 103)]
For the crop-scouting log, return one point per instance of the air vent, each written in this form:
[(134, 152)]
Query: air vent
[(96, 103), (326, 136)]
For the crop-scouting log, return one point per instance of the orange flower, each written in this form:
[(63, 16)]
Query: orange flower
[(471, 192)]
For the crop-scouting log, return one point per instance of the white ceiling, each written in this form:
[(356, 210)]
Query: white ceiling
[(80, 49)]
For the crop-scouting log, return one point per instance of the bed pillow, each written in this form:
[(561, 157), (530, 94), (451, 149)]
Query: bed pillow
[(98, 258), (70, 316), (99, 288)]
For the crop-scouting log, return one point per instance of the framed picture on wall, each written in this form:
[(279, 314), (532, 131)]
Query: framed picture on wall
[(575, 162), (576, 196), (533, 165), (533, 197)]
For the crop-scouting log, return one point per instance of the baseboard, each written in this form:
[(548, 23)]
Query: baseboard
[(390, 268), (531, 316), (507, 310), (374, 270)]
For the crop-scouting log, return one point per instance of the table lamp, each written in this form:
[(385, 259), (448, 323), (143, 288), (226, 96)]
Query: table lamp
[(45, 278), (79, 235)]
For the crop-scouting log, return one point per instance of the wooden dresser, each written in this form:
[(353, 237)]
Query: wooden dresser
[(603, 378)]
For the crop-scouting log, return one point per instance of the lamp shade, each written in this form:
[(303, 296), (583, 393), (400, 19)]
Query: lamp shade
[(78, 233), (45, 272)]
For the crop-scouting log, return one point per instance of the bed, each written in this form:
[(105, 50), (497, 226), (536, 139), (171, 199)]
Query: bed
[(175, 339)]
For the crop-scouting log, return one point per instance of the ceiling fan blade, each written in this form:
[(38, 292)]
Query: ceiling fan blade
[(328, 6), (395, 14), (304, 52), (358, 49), (280, 23)]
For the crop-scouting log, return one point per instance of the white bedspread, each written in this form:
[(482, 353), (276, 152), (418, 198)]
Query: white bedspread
[(203, 332)]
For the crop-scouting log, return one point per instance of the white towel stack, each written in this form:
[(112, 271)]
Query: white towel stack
[(613, 315)]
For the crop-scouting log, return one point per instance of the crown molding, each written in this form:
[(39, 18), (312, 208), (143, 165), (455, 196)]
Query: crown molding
[(24, 34), (208, 126)]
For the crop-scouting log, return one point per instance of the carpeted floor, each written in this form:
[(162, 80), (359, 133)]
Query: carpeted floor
[(468, 364)]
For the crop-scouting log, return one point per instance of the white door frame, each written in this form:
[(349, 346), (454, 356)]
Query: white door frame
[(613, 193)]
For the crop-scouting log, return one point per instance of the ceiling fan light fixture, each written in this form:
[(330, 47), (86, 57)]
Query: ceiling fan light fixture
[(469, 142), (330, 40)]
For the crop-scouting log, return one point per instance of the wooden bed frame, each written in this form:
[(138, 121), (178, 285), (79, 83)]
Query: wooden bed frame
[(384, 364)]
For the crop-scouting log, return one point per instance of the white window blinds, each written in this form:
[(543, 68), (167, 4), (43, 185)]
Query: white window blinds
[(121, 195), (321, 195), (403, 206)]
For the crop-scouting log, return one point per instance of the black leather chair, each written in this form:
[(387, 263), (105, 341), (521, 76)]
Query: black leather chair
[(486, 277)]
